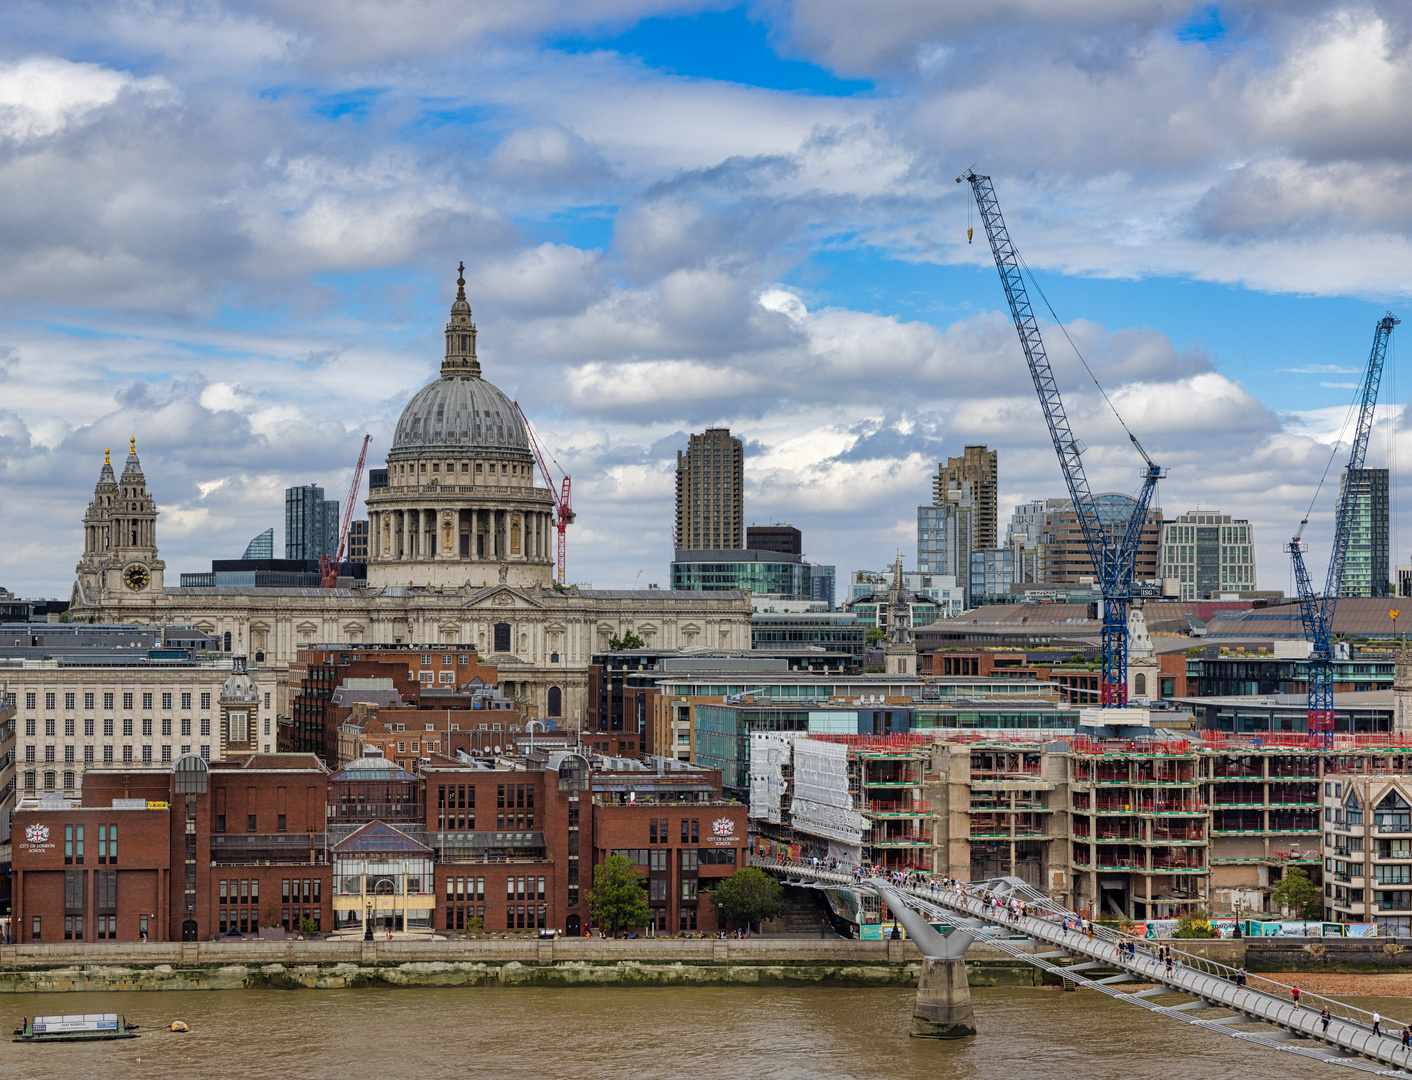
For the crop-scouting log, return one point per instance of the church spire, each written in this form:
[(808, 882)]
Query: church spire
[(460, 357)]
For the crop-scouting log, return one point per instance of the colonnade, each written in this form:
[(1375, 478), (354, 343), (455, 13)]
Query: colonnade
[(480, 534)]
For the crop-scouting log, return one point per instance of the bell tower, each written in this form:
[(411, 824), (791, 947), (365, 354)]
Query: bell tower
[(119, 536)]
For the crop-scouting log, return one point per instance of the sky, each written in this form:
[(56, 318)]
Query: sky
[(230, 229)]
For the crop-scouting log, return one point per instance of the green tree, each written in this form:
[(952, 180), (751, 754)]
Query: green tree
[(1197, 924), (749, 896), (307, 927), (874, 634), (475, 925), (1300, 895), (618, 899), (628, 640)]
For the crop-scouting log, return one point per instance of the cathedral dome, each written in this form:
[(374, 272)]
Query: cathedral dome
[(457, 413), (460, 412)]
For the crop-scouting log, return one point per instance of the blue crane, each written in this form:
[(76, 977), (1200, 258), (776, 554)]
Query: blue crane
[(1113, 555), (1317, 612)]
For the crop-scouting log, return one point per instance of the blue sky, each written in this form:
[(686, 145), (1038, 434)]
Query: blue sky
[(230, 229)]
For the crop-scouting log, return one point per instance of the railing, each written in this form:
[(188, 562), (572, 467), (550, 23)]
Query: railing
[(899, 806)]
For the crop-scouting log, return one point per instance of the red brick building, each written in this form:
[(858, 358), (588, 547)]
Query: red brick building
[(275, 839), (178, 854)]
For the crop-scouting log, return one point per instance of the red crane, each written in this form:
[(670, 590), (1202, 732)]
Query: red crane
[(563, 510), (329, 568)]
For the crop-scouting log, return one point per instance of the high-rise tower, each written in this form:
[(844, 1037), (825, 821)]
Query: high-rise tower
[(978, 467), (710, 486)]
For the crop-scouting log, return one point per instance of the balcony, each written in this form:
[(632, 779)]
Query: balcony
[(898, 808), (245, 849)]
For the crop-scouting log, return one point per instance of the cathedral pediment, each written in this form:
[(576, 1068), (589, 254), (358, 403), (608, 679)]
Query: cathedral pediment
[(502, 597)]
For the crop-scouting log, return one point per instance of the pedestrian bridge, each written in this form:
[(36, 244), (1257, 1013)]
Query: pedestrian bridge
[(1260, 1012)]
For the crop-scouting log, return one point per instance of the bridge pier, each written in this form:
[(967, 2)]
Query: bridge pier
[(943, 1007)]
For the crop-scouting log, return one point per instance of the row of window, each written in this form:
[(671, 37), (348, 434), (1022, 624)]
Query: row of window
[(292, 890), (109, 697), (251, 822), (89, 752), (90, 726), (247, 920), (657, 890), (691, 858)]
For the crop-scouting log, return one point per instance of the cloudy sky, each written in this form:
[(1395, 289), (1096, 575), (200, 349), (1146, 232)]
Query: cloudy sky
[(230, 228)]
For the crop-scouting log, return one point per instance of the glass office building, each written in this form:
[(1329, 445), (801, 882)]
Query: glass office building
[(770, 572)]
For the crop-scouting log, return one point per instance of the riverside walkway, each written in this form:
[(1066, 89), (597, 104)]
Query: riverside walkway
[(1261, 1012)]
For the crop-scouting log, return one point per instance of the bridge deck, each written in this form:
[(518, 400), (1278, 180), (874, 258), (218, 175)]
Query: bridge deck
[(1349, 1041)]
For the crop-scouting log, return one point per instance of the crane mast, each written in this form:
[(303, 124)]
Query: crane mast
[(328, 569), (1317, 612), (1114, 557)]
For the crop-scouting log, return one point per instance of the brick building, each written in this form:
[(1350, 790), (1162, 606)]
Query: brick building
[(192, 851), (423, 677)]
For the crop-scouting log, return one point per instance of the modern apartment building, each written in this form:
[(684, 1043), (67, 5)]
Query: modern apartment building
[(1205, 553), (1366, 569), (1067, 561), (945, 538), (782, 538), (977, 468), (710, 492), (1368, 849), (310, 523)]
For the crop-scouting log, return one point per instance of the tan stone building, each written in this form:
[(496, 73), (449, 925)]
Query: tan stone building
[(460, 552)]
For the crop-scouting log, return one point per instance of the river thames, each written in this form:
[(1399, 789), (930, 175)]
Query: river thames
[(600, 1033)]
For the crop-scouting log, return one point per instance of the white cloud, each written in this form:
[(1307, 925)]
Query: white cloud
[(42, 95)]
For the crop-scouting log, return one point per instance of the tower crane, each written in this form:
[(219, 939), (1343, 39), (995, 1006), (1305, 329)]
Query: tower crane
[(329, 570), (1317, 612), (563, 509), (1112, 547)]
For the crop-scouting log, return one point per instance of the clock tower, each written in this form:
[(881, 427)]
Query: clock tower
[(120, 536)]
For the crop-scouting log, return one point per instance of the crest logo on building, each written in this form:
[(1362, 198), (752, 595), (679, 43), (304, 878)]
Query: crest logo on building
[(37, 834), (723, 826)]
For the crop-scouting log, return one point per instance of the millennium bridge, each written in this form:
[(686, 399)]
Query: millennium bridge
[(1253, 1009)]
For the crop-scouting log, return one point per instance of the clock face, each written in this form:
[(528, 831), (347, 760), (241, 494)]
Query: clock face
[(136, 577)]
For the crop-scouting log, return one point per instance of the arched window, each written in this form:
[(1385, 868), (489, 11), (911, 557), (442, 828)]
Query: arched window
[(1140, 684), (556, 701), (227, 641)]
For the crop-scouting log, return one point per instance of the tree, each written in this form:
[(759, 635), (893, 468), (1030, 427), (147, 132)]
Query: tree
[(270, 917), (749, 896), (874, 634), (1197, 924), (307, 927), (619, 895), (629, 640), (1300, 895)]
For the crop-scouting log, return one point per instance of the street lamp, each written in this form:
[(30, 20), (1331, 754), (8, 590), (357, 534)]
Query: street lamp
[(368, 923)]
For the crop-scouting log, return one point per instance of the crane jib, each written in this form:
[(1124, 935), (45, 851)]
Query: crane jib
[(1114, 558)]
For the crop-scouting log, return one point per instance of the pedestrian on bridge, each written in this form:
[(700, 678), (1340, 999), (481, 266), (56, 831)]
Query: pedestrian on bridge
[(1324, 1019), (1376, 1021), (1294, 993), (1407, 1038)]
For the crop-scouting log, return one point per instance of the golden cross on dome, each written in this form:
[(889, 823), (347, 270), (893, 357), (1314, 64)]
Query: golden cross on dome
[(461, 282), (105, 456), (132, 444)]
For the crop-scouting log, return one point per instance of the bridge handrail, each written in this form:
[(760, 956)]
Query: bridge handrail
[(982, 892)]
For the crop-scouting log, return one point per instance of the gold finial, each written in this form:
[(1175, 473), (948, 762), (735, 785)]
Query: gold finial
[(461, 282), (132, 444), (105, 456)]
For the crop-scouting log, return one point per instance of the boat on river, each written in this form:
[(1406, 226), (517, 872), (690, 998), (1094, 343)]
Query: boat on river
[(75, 1027)]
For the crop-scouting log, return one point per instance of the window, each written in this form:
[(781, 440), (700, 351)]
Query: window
[(685, 830), (69, 726), (69, 754), (127, 754), (167, 726), (49, 778), (88, 755), (147, 753), (206, 698), (688, 858), (186, 725), (147, 700), (88, 699), (186, 699), (107, 699), (166, 753), (108, 727), (107, 755), (68, 780), (35, 932), (147, 727), (688, 890), (166, 700), (88, 727), (49, 699), (249, 822), (29, 726), (205, 725), (49, 727), (69, 699), (502, 637), (279, 823), (127, 700), (49, 752), (127, 727)]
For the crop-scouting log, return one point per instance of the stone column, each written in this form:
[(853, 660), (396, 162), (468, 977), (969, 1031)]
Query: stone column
[(943, 1006)]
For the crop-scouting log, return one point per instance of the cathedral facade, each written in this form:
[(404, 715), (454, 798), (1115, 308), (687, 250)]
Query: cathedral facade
[(461, 552)]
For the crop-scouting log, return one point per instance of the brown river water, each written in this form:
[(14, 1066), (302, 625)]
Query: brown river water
[(603, 1033)]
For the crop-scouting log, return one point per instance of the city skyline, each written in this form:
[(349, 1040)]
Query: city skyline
[(231, 233)]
